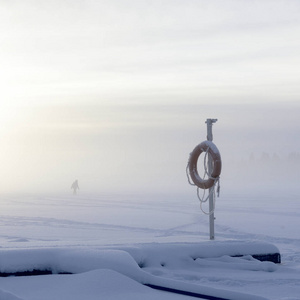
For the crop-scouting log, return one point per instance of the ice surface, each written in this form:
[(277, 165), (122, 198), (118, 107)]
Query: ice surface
[(114, 243)]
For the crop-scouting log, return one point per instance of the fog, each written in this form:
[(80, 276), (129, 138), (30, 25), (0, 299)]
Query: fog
[(116, 94), (145, 148)]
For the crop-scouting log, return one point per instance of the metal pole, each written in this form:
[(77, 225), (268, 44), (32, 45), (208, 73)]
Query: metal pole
[(209, 123)]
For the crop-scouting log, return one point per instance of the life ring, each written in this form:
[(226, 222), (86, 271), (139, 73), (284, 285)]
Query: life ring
[(211, 148)]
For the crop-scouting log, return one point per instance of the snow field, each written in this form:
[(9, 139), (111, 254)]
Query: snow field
[(122, 240)]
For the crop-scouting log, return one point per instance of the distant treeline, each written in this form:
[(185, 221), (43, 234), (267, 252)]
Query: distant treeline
[(265, 167), (267, 157)]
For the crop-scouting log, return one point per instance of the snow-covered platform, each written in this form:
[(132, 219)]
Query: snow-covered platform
[(145, 264), (77, 260)]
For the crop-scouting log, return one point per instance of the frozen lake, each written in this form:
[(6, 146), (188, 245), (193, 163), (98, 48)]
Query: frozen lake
[(144, 221)]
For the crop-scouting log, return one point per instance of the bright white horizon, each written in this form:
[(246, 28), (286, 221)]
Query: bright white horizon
[(116, 93)]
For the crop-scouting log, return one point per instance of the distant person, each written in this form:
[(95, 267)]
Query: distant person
[(75, 186)]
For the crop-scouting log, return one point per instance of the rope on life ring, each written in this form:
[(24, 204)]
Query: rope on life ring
[(211, 149)]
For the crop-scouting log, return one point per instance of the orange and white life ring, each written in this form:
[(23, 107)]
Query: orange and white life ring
[(211, 148)]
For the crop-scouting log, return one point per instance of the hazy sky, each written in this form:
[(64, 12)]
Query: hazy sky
[(116, 93)]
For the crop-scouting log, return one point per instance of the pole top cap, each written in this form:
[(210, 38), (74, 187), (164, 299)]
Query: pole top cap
[(210, 121)]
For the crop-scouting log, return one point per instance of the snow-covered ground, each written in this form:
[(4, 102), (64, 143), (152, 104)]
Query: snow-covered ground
[(115, 243)]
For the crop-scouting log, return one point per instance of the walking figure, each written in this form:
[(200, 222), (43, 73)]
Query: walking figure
[(75, 186)]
